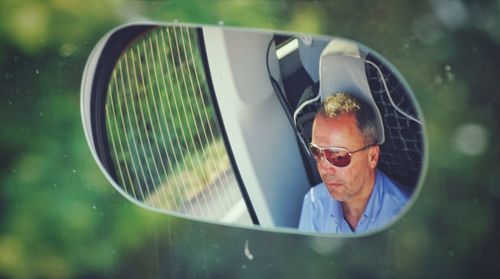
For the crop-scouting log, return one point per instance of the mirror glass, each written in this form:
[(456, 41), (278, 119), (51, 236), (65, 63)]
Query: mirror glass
[(215, 123)]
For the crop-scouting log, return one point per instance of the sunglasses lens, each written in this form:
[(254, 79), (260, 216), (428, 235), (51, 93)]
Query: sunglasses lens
[(316, 153), (337, 157)]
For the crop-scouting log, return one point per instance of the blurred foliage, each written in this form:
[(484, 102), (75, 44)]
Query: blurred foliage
[(53, 203), (60, 218)]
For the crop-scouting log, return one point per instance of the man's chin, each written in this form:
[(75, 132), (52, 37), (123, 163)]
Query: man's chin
[(339, 198), (335, 191)]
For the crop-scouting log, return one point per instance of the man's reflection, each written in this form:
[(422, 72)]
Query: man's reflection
[(354, 196)]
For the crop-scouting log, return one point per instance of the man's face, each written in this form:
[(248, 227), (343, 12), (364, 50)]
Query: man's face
[(356, 179)]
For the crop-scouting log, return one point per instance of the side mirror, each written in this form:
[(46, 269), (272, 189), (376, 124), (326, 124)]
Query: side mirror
[(210, 123)]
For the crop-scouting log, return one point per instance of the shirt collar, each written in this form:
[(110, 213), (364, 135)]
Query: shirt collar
[(336, 210), (373, 206)]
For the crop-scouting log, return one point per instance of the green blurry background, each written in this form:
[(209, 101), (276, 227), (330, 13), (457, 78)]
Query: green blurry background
[(59, 217)]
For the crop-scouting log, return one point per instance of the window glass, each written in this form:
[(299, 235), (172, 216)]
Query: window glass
[(164, 138)]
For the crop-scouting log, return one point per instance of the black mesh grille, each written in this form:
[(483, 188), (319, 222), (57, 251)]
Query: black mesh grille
[(401, 155)]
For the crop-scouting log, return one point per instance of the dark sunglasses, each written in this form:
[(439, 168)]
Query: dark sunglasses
[(337, 156)]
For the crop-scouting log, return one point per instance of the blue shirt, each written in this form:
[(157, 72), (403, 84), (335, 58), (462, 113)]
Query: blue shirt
[(322, 213)]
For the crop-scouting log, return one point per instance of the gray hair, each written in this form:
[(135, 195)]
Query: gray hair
[(340, 103)]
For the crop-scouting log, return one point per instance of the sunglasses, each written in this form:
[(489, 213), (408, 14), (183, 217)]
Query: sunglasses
[(337, 156)]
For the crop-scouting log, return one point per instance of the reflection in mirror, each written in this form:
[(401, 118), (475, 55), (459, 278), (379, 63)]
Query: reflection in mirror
[(215, 124), (166, 145), (161, 140)]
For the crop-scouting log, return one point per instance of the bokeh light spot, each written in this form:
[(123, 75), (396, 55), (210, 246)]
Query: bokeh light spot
[(471, 139)]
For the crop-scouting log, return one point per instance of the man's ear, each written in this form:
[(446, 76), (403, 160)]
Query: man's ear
[(373, 153)]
